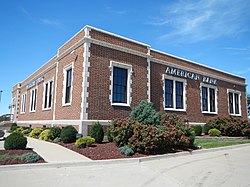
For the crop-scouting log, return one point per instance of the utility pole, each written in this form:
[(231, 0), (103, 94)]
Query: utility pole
[(1, 91)]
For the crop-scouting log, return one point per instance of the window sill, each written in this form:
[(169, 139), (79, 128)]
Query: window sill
[(22, 112), (174, 109), (46, 109), (235, 114), (206, 112), (120, 104), (66, 104), (32, 111)]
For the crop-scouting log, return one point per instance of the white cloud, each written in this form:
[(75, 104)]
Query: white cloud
[(114, 11), (194, 21), (50, 22), (242, 72)]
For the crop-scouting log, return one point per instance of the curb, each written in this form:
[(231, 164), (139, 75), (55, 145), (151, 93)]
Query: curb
[(118, 161)]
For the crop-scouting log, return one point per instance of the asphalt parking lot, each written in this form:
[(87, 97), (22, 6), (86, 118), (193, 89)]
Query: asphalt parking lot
[(228, 167)]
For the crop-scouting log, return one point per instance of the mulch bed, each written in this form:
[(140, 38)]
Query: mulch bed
[(16, 161), (106, 150)]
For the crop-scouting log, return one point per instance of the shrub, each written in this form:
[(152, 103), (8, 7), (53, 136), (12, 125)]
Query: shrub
[(145, 113), (214, 132), (44, 135), (229, 126), (122, 131), (54, 133), (84, 142), (206, 128), (246, 132), (57, 139), (15, 141), (18, 129), (68, 134), (97, 132), (110, 134), (13, 126), (26, 131), (35, 132), (197, 129), (171, 133), (125, 150), (30, 157)]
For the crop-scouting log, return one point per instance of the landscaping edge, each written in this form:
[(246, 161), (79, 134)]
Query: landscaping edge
[(118, 161)]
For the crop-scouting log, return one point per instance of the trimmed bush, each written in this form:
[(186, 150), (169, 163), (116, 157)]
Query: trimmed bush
[(125, 150), (13, 126), (206, 128), (15, 141), (44, 135), (35, 132), (57, 139), (84, 142), (214, 132), (68, 134), (229, 126), (148, 139), (97, 132), (246, 132), (30, 157), (197, 129), (54, 133), (145, 113), (110, 134)]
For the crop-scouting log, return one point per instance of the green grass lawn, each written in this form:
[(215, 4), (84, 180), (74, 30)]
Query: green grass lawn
[(204, 143)]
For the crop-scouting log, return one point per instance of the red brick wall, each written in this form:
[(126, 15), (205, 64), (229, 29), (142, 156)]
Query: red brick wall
[(73, 111), (193, 111), (177, 61), (117, 41), (39, 114), (71, 42), (99, 106)]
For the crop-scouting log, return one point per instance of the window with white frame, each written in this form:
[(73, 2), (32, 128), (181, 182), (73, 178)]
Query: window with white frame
[(121, 84), (23, 103), (33, 99), (208, 99), (174, 94), (234, 102), (47, 95), (67, 91)]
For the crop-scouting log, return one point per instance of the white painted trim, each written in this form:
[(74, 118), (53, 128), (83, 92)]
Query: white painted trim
[(216, 98), (85, 76), (48, 82), (47, 69), (23, 103), (240, 109), (196, 71), (184, 81), (148, 76), (35, 97), (54, 111), (193, 62), (196, 123), (129, 83), (116, 35), (65, 69)]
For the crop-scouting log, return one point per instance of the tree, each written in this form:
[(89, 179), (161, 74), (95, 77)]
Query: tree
[(248, 104)]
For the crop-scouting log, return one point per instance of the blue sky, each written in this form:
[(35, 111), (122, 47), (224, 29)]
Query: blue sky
[(212, 32)]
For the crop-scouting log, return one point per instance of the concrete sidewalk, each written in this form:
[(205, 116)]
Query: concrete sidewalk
[(54, 153), (51, 152)]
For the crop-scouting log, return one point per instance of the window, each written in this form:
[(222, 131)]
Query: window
[(67, 92), (174, 97), (208, 99), (33, 96), (234, 103), (47, 99), (23, 105), (121, 79)]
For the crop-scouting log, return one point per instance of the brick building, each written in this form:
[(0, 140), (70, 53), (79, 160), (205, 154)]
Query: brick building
[(97, 75)]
